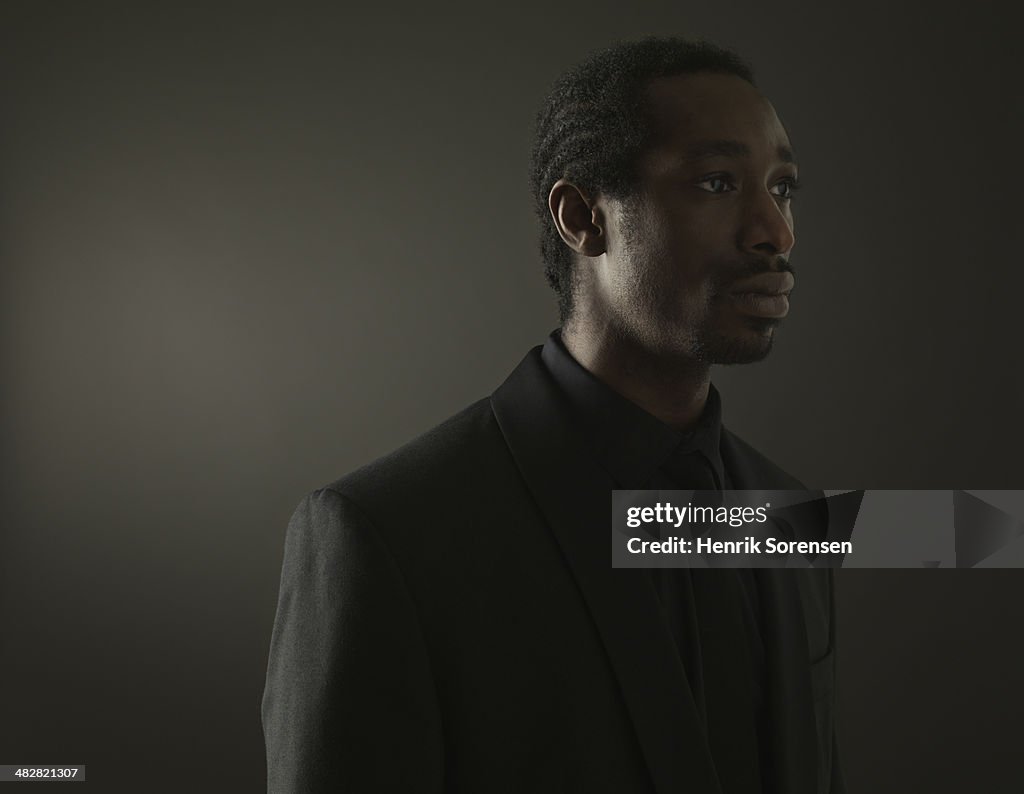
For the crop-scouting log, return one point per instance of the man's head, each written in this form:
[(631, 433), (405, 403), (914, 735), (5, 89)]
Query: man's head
[(662, 179)]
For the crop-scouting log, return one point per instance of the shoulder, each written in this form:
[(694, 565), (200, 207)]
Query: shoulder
[(452, 455), (753, 469), (417, 504)]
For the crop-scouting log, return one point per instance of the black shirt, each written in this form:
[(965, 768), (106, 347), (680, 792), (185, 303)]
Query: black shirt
[(632, 445), (629, 442)]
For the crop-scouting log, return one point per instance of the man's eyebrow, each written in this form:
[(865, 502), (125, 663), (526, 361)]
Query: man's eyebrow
[(719, 148), (786, 154), (728, 148)]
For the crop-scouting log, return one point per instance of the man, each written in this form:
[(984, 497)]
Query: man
[(449, 619)]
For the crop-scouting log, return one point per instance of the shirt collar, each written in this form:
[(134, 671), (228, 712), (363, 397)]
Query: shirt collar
[(629, 442)]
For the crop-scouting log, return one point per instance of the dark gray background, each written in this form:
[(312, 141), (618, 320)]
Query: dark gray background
[(245, 251)]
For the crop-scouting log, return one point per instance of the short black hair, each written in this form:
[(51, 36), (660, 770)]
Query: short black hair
[(592, 128)]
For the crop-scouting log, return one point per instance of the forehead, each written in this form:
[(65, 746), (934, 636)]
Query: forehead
[(687, 109)]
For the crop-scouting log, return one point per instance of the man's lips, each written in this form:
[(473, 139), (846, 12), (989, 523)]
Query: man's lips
[(764, 295), (765, 284)]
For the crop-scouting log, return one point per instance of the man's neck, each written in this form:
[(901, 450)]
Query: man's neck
[(672, 390)]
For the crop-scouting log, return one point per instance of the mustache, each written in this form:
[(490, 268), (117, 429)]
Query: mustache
[(732, 272), (755, 267)]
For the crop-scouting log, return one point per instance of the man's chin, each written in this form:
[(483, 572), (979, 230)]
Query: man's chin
[(747, 348)]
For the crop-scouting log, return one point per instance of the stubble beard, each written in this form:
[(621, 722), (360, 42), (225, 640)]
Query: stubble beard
[(670, 336), (713, 347), (699, 342), (705, 343)]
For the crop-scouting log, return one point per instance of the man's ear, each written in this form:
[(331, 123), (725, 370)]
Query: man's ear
[(580, 222)]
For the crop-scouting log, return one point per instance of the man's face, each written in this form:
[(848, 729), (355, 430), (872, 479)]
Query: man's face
[(696, 265)]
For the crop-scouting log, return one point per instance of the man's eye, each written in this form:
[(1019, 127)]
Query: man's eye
[(786, 188), (715, 184)]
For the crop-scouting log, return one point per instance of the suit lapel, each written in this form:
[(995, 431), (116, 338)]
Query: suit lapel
[(793, 734), (574, 494)]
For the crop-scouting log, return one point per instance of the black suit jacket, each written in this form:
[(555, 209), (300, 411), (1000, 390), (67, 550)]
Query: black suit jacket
[(449, 620)]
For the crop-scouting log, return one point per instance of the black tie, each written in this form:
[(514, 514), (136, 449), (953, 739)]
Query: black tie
[(690, 469), (685, 470), (705, 612)]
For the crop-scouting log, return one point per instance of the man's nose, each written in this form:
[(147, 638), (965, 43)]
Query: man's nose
[(767, 227)]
